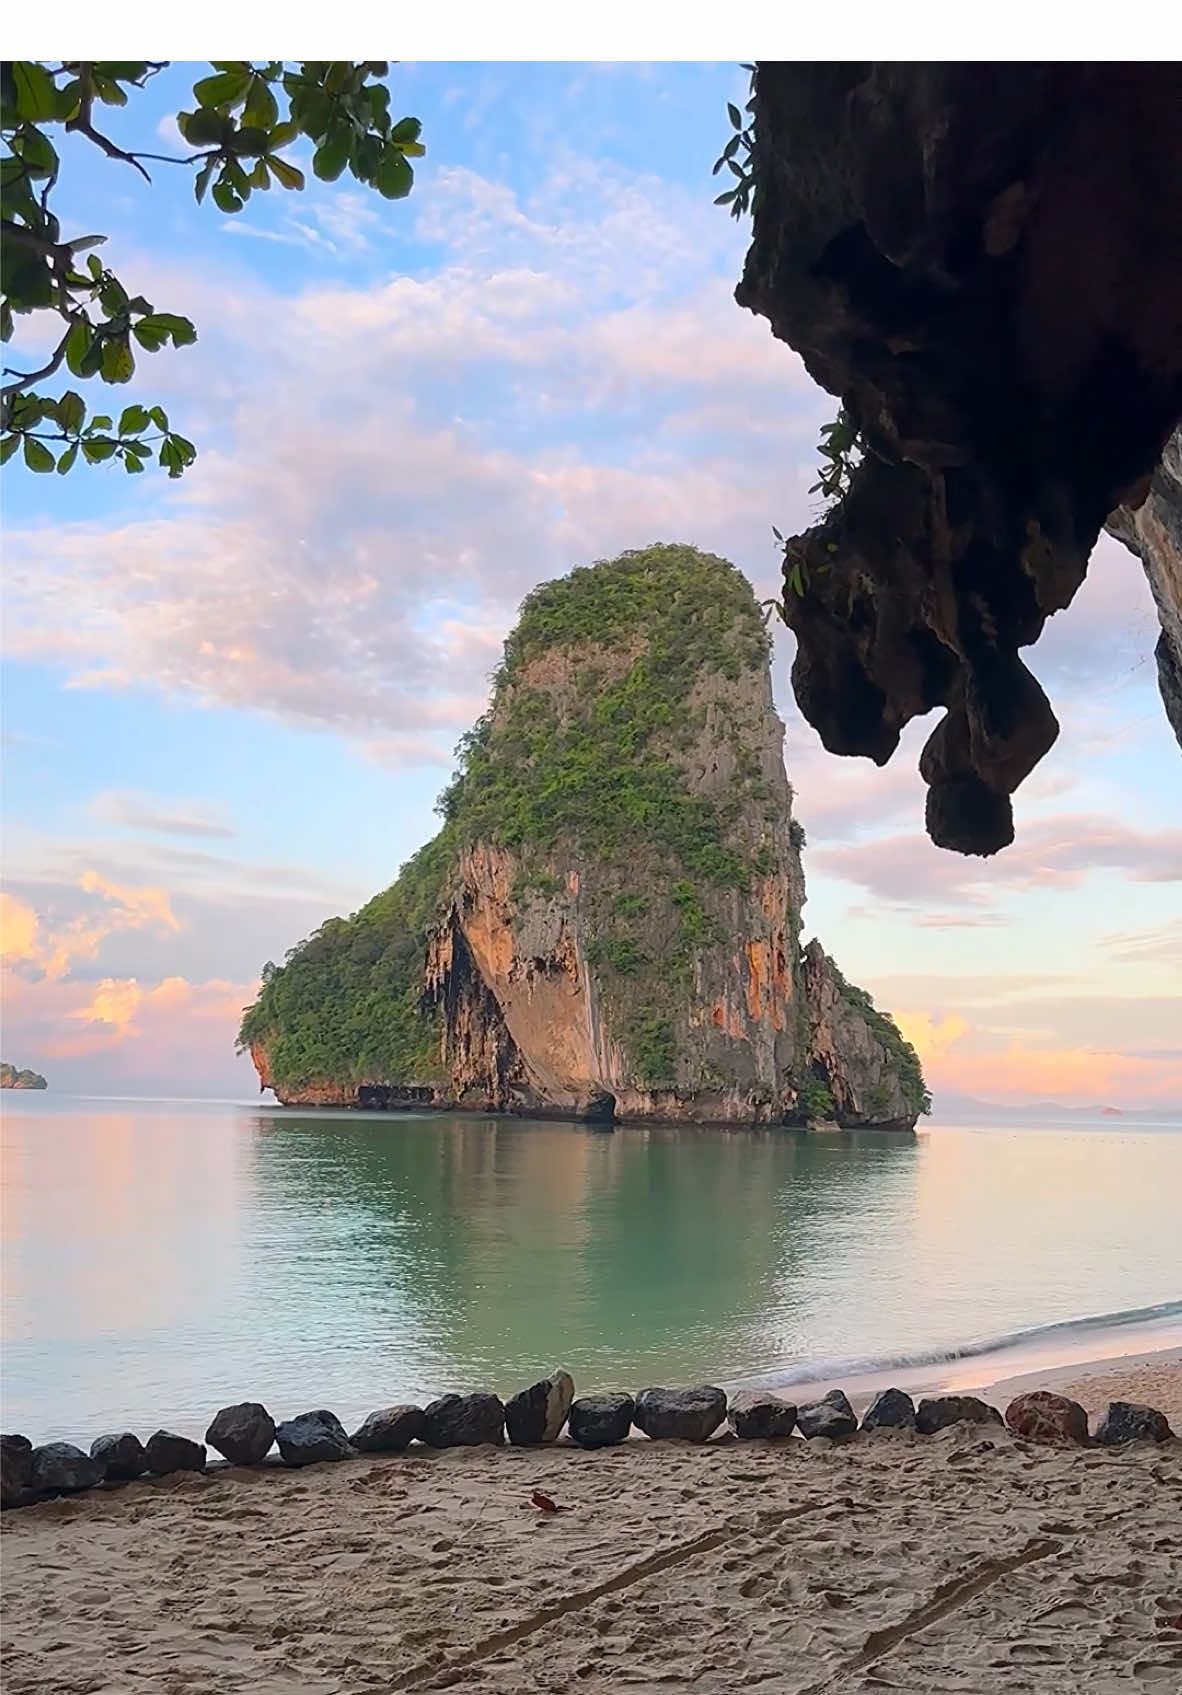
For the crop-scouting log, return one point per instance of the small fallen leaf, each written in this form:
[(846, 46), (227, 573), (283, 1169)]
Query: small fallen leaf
[(544, 1502)]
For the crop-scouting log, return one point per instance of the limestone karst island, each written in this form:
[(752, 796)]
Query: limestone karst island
[(608, 923), (11, 1078)]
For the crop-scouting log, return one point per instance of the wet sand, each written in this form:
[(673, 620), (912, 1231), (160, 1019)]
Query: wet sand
[(964, 1563)]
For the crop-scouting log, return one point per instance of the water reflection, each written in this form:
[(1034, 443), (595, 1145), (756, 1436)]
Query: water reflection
[(162, 1259), (477, 1249)]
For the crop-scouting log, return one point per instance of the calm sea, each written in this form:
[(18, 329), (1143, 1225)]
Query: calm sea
[(162, 1258)]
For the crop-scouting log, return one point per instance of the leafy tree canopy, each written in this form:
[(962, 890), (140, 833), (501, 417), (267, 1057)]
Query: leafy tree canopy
[(245, 118)]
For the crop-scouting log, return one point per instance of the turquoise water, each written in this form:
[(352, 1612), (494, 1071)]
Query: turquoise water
[(164, 1258)]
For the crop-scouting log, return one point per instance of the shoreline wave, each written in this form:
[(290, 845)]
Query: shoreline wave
[(865, 1366)]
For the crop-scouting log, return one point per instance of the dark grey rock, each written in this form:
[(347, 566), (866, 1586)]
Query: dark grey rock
[(242, 1434), (600, 1421), (755, 1413), (936, 1412), (890, 1409), (312, 1437), (389, 1430), (1128, 1421), (16, 1471), (59, 1468), (831, 1416), (538, 1413), (463, 1421), (684, 1415), (121, 1456), (168, 1452)]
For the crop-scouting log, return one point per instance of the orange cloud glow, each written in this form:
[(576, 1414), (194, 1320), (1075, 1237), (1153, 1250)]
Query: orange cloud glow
[(958, 1057), (27, 938)]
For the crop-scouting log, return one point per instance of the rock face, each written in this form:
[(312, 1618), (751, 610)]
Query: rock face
[(685, 1415), (390, 1430), (890, 1409), (984, 264), (600, 1421), (121, 1456), (312, 1437), (1127, 1421), (242, 1434), (59, 1468), (608, 924), (1043, 1417), (167, 1452), (936, 1412), (538, 1413), (831, 1416), (754, 1413), (463, 1421), (1153, 531), (16, 1471), (11, 1078)]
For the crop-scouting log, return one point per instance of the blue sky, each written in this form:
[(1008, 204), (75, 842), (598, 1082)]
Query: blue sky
[(239, 692)]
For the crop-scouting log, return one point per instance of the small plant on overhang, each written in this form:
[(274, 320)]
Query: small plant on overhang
[(841, 448), (738, 157)]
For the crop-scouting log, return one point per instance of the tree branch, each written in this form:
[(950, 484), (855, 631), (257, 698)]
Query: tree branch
[(25, 378)]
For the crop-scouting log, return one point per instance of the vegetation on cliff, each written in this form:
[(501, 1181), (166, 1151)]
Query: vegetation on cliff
[(11, 1078)]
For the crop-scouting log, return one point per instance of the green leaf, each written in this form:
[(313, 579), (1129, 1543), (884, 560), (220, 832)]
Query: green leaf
[(95, 266), (180, 329), (285, 173), (394, 177), (5, 321), (84, 241), (150, 335), (201, 129), (118, 361), (132, 420), (282, 135), (132, 463), (29, 283), (262, 108), (252, 142), (77, 346), (8, 447), (66, 462), (94, 452), (226, 197), (227, 88), (203, 178), (109, 91), (260, 177), (37, 152), (170, 457), (37, 455), (735, 116), (97, 425), (407, 129), (159, 417), (331, 157), (71, 410), (36, 95)]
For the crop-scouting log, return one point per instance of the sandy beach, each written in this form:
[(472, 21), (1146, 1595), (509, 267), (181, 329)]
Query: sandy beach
[(963, 1562)]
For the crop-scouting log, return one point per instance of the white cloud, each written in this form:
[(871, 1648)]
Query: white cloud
[(128, 810)]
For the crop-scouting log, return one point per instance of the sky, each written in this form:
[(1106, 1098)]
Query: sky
[(231, 701)]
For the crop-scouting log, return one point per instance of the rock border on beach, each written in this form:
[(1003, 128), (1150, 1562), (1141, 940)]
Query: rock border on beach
[(244, 1433)]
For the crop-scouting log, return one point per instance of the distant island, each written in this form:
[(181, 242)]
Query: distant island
[(607, 926), (11, 1078)]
